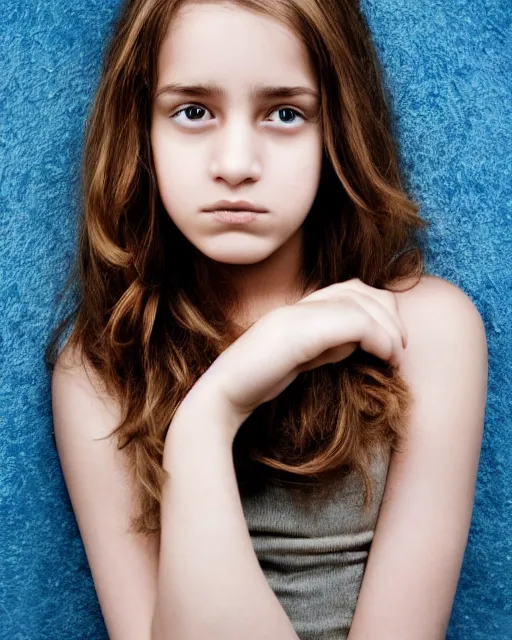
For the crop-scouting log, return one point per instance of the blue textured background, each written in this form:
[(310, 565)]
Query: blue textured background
[(448, 66)]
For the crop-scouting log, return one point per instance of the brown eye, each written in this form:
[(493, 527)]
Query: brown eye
[(193, 113)]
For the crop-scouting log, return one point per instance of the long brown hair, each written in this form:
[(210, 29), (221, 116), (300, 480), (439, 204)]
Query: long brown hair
[(151, 313)]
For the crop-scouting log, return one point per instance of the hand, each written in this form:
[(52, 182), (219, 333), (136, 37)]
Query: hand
[(323, 327)]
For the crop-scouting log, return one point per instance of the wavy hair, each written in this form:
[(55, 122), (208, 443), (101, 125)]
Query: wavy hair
[(152, 314)]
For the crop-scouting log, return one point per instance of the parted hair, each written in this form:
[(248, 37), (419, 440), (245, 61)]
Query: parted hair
[(151, 314)]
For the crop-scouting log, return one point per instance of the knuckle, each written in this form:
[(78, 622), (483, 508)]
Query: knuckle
[(352, 300)]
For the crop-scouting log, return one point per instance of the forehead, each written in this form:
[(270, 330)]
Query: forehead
[(229, 45)]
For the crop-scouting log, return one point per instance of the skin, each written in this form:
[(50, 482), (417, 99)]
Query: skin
[(238, 146), (202, 578)]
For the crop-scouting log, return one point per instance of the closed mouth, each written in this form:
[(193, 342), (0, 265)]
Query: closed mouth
[(240, 205)]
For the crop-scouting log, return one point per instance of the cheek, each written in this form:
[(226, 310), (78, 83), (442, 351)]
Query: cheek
[(299, 173), (177, 174)]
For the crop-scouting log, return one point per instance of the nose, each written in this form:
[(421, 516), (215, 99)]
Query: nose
[(236, 155)]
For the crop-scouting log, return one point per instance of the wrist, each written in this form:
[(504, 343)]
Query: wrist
[(205, 413)]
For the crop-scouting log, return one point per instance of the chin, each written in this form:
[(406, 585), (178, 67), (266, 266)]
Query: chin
[(234, 258), (239, 252)]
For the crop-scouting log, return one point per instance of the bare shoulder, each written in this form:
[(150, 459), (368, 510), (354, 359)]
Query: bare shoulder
[(74, 372), (428, 285), (442, 322), (73, 366), (435, 304)]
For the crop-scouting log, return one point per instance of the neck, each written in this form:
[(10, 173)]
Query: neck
[(259, 287)]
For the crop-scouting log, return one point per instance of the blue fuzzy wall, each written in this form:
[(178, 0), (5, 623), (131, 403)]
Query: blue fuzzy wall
[(447, 64)]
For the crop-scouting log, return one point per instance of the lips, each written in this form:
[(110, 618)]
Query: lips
[(238, 205), (235, 217)]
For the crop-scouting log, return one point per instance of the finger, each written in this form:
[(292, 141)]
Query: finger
[(376, 340), (331, 355), (388, 300), (384, 297), (385, 318), (380, 297), (343, 320)]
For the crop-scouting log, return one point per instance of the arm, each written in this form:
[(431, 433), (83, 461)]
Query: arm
[(124, 567), (210, 584), (417, 551)]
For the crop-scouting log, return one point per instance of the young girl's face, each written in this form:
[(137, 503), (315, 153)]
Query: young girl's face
[(232, 141)]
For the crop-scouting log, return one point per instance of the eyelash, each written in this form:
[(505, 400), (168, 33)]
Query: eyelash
[(194, 104)]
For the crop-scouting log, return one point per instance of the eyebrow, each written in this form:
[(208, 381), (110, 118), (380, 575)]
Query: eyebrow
[(211, 90)]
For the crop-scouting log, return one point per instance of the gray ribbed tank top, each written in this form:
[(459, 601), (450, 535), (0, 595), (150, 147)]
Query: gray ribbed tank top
[(313, 549)]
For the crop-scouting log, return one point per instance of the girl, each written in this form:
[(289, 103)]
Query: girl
[(253, 316)]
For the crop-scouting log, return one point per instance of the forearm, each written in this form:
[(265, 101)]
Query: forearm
[(210, 584)]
